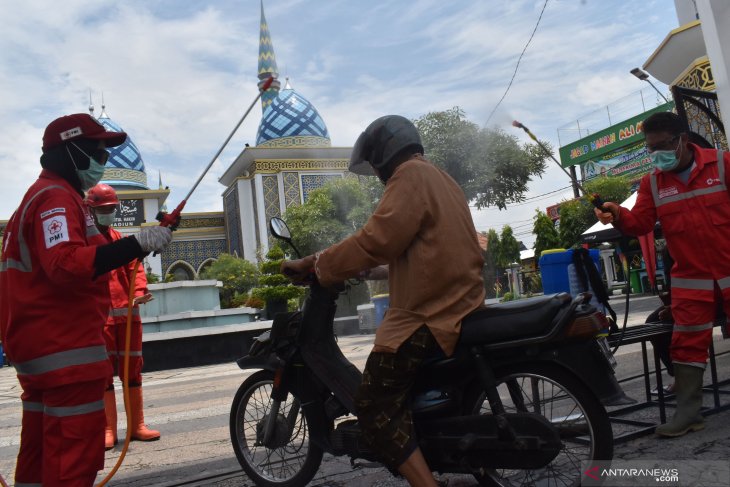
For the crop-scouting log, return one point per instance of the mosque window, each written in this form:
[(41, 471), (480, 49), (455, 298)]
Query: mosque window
[(181, 271)]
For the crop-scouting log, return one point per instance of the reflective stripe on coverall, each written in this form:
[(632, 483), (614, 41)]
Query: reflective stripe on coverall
[(695, 220), (52, 311), (116, 323)]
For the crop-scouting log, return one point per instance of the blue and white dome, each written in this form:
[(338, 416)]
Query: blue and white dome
[(292, 121), (125, 167)]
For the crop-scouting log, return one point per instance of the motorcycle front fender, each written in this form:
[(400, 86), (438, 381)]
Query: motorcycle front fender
[(265, 362)]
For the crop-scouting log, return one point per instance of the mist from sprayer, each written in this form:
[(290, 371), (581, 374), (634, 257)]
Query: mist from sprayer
[(501, 119)]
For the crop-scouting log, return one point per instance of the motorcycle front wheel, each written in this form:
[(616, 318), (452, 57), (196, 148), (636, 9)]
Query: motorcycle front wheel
[(290, 460), (579, 417)]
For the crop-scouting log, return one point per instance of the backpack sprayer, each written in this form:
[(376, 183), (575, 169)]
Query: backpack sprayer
[(596, 200), (171, 220)]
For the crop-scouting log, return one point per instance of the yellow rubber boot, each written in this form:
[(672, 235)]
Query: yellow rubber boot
[(140, 432), (110, 410)]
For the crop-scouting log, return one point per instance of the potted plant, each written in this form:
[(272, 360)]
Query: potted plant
[(274, 289)]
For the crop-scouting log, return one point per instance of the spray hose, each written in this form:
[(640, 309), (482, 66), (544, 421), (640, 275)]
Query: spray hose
[(596, 200), (166, 220), (125, 374)]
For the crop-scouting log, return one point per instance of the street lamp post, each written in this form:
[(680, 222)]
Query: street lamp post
[(644, 76)]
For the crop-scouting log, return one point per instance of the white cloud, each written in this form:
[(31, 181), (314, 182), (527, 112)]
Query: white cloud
[(178, 76)]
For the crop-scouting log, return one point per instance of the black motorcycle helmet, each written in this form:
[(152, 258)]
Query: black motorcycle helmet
[(382, 143)]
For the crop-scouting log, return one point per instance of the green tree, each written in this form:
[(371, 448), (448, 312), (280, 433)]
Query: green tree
[(275, 289), (547, 236), (576, 216), (331, 213), (509, 248), (238, 277), (491, 166)]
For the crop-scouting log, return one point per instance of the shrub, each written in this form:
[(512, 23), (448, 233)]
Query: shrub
[(237, 275), (274, 286), (152, 278), (253, 302), (508, 296)]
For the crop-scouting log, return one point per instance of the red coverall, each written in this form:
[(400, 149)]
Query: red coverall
[(52, 312), (695, 220), (116, 323)]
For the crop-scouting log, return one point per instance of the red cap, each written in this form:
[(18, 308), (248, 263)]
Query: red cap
[(101, 195), (79, 126)]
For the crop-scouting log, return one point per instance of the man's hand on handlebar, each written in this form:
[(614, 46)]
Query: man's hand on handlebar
[(300, 271)]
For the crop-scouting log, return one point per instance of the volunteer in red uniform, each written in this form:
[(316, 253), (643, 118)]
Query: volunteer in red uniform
[(103, 201), (54, 301), (688, 194)]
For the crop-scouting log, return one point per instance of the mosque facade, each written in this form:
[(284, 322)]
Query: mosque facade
[(292, 156)]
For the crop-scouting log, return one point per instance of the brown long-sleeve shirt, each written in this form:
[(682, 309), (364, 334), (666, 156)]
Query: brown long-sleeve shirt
[(423, 229)]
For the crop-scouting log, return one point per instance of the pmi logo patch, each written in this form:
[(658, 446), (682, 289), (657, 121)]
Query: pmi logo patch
[(55, 230), (71, 133)]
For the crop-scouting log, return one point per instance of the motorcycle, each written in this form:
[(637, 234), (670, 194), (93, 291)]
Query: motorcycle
[(518, 403)]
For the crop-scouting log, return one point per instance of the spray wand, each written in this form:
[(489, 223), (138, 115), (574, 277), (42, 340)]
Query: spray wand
[(171, 220), (594, 198)]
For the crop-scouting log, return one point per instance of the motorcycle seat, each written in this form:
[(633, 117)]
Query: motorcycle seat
[(512, 320)]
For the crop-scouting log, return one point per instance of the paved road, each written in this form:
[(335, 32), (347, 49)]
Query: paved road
[(191, 406)]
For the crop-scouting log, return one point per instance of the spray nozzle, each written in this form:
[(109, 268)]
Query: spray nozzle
[(596, 200)]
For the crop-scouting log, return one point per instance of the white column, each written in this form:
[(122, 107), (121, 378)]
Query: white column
[(151, 207), (247, 219), (263, 242), (513, 273), (715, 18)]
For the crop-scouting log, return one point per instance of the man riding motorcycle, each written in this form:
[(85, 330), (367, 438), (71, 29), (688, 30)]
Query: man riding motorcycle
[(422, 228)]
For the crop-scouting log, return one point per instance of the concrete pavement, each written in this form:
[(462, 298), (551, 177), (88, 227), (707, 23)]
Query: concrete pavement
[(191, 409)]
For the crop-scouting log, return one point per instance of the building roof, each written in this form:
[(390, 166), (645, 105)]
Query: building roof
[(125, 167), (678, 50), (293, 118), (242, 165), (288, 118)]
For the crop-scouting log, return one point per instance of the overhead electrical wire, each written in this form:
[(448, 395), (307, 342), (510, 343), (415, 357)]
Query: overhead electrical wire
[(531, 199), (518, 64)]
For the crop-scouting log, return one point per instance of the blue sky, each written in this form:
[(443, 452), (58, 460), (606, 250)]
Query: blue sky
[(177, 75)]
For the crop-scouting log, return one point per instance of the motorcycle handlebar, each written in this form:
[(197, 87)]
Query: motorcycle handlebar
[(309, 279)]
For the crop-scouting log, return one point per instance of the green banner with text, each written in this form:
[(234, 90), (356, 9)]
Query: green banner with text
[(608, 144)]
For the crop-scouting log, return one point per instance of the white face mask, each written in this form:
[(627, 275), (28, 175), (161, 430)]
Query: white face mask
[(106, 219)]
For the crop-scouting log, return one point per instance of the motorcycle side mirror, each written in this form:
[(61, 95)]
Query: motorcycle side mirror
[(279, 229)]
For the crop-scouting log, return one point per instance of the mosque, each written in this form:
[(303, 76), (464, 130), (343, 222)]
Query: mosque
[(292, 156)]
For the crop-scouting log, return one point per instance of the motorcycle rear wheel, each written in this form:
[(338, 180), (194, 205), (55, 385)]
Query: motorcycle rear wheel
[(581, 420), (295, 460)]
